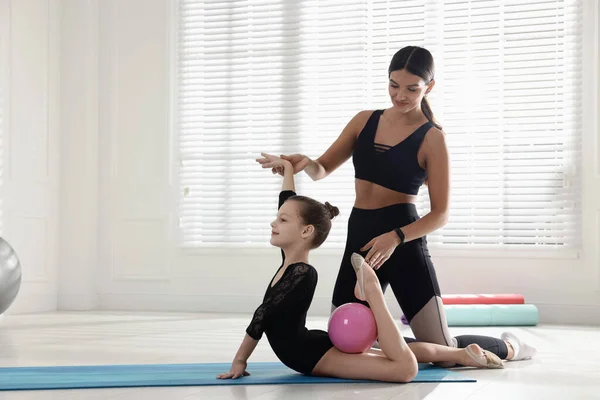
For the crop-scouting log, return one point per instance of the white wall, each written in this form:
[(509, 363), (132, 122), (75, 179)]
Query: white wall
[(134, 263), (79, 155), (136, 252), (29, 73)]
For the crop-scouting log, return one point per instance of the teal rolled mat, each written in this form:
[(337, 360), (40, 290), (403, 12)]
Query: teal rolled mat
[(492, 315)]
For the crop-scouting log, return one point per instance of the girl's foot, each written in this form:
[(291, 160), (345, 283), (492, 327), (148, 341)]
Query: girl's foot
[(475, 356), (366, 278), (357, 263)]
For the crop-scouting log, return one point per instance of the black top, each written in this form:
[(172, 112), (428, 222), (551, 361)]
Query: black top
[(282, 315), (394, 167)]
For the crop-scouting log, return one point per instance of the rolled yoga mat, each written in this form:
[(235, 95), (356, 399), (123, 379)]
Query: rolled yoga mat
[(490, 315), (483, 299), (147, 375)]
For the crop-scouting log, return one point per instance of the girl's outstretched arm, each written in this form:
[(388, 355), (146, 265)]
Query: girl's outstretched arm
[(279, 165), (240, 361), (288, 177)]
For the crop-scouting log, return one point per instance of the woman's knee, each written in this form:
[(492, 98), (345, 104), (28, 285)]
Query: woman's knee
[(343, 292)]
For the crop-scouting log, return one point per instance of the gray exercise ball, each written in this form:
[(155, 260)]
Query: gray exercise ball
[(10, 275)]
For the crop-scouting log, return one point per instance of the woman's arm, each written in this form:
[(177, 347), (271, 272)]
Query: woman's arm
[(438, 172), (338, 153)]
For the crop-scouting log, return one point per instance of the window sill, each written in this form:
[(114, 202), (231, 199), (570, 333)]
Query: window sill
[(436, 252)]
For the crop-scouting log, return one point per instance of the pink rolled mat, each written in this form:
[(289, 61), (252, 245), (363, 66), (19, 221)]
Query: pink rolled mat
[(483, 299)]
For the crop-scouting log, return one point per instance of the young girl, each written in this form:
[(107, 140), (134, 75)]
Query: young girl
[(303, 224)]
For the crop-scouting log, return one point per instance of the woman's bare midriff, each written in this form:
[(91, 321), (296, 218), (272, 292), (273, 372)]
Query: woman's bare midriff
[(371, 196)]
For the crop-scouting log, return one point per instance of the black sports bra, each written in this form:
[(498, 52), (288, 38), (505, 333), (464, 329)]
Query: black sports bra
[(394, 167)]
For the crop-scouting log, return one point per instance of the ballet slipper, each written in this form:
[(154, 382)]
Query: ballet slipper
[(486, 360), (357, 263)]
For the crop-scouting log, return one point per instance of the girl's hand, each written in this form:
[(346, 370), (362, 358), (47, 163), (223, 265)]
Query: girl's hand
[(382, 248), (238, 368), (277, 165)]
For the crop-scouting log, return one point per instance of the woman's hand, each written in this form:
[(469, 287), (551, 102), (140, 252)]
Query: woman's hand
[(277, 164), (298, 161), (238, 368), (382, 248)]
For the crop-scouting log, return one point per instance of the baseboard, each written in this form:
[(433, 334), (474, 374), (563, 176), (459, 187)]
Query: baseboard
[(75, 302), (179, 303), (30, 304), (568, 314), (549, 313)]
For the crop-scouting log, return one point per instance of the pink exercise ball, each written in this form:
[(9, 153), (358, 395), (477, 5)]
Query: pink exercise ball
[(352, 328)]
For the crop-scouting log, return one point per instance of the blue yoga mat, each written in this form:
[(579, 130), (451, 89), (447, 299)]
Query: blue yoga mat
[(112, 376)]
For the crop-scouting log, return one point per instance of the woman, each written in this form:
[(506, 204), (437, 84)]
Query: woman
[(303, 224), (395, 151)]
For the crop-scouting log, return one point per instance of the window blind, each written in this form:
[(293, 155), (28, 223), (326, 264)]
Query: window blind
[(286, 76)]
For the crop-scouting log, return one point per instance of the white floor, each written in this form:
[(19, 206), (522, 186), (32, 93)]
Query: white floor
[(567, 366)]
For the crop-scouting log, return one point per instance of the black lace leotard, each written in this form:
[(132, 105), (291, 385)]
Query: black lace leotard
[(282, 316)]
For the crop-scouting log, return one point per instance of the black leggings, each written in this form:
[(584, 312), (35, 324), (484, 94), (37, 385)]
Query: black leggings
[(410, 273)]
